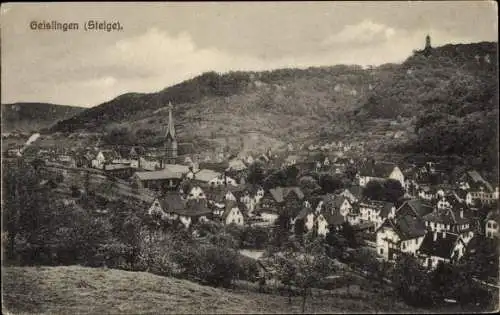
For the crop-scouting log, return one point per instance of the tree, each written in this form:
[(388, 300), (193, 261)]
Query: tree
[(393, 190), (255, 173), (389, 190), (329, 184), (290, 175), (336, 244), (308, 185), (374, 190), (349, 234), (412, 281), (303, 268)]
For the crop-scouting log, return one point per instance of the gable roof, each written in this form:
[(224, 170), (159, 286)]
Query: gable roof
[(443, 246), (478, 181), (170, 171), (379, 170), (304, 213), (334, 219), (196, 208), (414, 207), (493, 215), (172, 202), (280, 193), (356, 191), (229, 207), (109, 154), (206, 175), (406, 227), (445, 216)]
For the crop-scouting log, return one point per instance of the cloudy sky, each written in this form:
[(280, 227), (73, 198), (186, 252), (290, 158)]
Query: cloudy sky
[(162, 44)]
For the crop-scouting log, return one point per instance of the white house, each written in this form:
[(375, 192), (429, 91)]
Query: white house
[(376, 211), (103, 157), (403, 234), (222, 180), (233, 215), (379, 172), (491, 225), (196, 193)]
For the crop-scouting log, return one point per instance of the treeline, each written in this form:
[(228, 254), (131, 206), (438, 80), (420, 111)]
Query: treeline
[(44, 225)]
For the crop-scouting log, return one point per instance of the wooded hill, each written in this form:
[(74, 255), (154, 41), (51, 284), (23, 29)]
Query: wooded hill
[(28, 117), (448, 94)]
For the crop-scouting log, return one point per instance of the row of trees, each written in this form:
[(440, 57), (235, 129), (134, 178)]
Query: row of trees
[(42, 229)]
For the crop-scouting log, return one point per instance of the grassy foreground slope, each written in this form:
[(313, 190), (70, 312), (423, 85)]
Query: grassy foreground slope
[(79, 290)]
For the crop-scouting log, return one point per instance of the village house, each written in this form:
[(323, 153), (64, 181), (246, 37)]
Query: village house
[(278, 200), (454, 220), (426, 192), (232, 214), (236, 164), (327, 221), (168, 178), (401, 234), (171, 207), (376, 211), (478, 189), (220, 180), (119, 170), (353, 193), (336, 203), (491, 224), (205, 177), (291, 160), (306, 217), (440, 247), (380, 171), (195, 193), (415, 207), (104, 157)]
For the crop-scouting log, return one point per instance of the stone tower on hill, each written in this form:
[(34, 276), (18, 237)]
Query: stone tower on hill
[(170, 156), (428, 48)]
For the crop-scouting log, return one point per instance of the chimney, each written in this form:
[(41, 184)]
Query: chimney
[(435, 236)]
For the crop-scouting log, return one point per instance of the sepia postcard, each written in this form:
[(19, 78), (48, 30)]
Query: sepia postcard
[(250, 157)]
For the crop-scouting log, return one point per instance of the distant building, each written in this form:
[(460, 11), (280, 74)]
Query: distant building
[(161, 180), (381, 171)]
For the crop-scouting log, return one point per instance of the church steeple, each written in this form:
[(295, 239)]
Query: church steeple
[(170, 156)]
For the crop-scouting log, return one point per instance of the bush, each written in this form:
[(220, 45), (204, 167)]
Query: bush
[(213, 265)]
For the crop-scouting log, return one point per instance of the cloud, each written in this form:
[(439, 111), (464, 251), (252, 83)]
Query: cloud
[(364, 33), (155, 59)]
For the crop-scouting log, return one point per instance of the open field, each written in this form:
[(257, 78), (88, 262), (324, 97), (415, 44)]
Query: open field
[(75, 289)]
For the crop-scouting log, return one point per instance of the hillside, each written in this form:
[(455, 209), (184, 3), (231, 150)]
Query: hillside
[(79, 290), (452, 94), (252, 111), (213, 110), (459, 79), (28, 117)]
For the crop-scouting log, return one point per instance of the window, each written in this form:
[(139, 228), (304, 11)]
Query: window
[(404, 245), (494, 225), (381, 251)]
